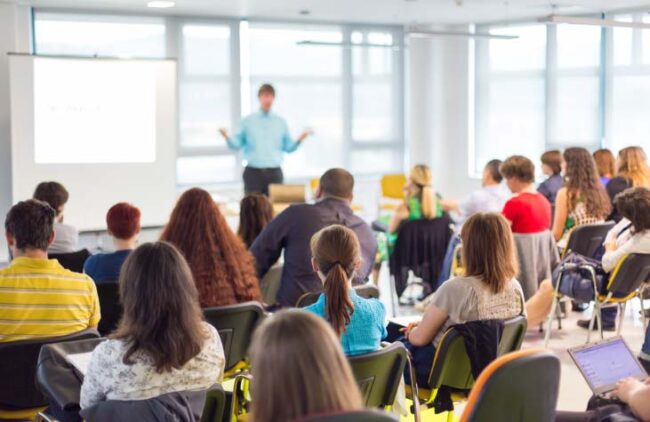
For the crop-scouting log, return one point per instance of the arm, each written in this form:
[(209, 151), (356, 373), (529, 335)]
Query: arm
[(561, 214), (95, 315), (268, 246), (636, 394), (235, 142), (93, 390), (613, 254), (432, 321), (450, 205), (509, 211), (401, 214), (288, 143)]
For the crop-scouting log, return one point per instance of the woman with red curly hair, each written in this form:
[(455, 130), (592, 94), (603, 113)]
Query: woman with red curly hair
[(223, 270)]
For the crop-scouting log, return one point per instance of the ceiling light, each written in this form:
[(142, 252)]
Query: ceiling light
[(431, 34), (577, 20), (161, 4)]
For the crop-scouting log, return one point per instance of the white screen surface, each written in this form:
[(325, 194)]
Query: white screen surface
[(88, 111), (98, 174)]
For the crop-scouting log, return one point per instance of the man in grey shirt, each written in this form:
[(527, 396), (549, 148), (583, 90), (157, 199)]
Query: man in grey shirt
[(66, 236)]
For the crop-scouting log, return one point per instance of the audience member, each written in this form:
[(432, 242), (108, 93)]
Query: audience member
[(606, 164), (487, 291), (631, 170), (528, 211), (59, 302), (123, 222), (162, 344), (292, 230), (552, 168), (255, 212), (359, 322), (490, 198), (583, 199), (420, 202), (300, 351), (66, 236), (223, 270)]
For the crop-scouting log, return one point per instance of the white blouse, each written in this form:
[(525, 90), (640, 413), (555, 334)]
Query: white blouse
[(626, 242), (109, 378)]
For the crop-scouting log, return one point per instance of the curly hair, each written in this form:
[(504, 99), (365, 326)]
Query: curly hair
[(633, 166), (583, 183), (634, 204), (223, 270)]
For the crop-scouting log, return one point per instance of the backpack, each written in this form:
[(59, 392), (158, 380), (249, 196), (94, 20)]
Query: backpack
[(576, 282)]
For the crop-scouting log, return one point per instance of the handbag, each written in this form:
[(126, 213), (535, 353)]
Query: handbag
[(575, 277)]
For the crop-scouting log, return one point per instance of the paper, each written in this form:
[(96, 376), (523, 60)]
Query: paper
[(80, 361)]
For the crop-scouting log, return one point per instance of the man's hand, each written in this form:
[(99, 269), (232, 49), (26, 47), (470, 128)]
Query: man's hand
[(224, 133), (305, 134)]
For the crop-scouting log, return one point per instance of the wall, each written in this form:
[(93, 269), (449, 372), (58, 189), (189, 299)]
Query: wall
[(15, 36), (439, 110)]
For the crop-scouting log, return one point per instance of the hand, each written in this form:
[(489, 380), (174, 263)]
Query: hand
[(626, 388), (305, 134), (611, 245), (409, 328), (224, 133)]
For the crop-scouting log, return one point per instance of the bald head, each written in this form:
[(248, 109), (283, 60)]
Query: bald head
[(337, 183)]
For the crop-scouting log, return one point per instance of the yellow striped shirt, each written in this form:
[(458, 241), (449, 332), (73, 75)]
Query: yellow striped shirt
[(39, 298)]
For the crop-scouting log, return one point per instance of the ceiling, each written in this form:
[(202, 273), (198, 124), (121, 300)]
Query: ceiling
[(362, 11)]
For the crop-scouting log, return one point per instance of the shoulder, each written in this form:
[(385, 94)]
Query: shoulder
[(111, 350), (317, 307), (457, 286)]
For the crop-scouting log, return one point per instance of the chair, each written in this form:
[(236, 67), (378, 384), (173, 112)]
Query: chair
[(235, 324), (19, 396), (270, 284), (73, 261), (354, 416), (215, 405), (514, 331), (520, 386), (587, 239), (379, 374), (307, 299), (111, 308), (392, 186)]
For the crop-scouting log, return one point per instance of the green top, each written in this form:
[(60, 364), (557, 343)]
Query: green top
[(415, 209)]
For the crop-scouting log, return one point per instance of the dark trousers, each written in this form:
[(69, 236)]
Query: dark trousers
[(258, 180)]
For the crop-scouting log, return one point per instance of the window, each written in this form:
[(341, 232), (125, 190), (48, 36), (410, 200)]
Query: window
[(510, 97), (99, 35)]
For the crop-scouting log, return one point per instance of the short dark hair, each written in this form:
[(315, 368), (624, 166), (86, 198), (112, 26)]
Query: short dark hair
[(519, 167), (53, 193), (337, 182), (493, 167), (553, 159), (31, 223), (634, 204), (266, 89)]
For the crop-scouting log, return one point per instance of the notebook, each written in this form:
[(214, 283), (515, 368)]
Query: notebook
[(606, 362), (80, 361)]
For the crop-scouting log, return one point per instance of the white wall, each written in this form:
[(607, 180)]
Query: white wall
[(15, 36), (439, 110)]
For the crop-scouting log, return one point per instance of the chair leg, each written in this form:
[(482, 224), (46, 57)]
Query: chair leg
[(450, 416), (621, 317), (551, 316), (643, 317), (594, 316)]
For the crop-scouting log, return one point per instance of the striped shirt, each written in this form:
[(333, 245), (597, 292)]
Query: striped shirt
[(39, 298)]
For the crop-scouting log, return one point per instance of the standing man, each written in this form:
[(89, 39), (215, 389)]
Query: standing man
[(264, 138)]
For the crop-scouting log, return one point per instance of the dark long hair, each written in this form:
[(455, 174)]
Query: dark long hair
[(162, 317), (223, 269), (336, 251), (255, 212), (583, 183)]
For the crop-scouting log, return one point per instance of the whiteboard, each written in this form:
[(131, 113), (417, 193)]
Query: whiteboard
[(104, 128)]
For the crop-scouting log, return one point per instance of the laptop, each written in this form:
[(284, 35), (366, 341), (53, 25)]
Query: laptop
[(606, 362)]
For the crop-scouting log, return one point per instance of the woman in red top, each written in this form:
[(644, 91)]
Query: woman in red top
[(528, 211)]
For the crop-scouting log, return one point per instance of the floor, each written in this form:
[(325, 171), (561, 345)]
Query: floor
[(574, 391)]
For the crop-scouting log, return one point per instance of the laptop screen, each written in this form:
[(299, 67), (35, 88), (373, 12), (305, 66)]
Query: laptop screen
[(606, 362)]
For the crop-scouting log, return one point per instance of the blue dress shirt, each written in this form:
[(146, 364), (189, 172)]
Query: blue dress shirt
[(367, 325), (263, 139)]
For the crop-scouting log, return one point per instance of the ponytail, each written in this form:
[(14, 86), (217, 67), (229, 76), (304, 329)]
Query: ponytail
[(338, 306), (428, 202)]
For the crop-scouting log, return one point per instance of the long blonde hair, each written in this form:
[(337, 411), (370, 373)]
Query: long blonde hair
[(421, 179), (337, 252), (633, 166), (299, 369)]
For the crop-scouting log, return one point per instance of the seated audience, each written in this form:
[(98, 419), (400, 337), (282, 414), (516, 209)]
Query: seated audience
[(420, 202), (630, 235), (255, 212), (162, 345), (528, 211), (223, 270), (583, 199), (293, 229), (67, 237), (359, 322), (60, 302), (631, 170), (552, 168), (490, 198), (606, 164), (632, 393), (299, 370), (487, 291), (123, 222)]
